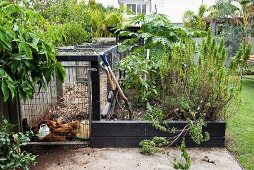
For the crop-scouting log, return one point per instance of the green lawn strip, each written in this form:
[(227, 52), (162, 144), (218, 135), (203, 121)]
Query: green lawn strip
[(240, 128)]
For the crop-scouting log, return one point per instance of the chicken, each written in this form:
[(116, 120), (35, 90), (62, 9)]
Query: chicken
[(53, 138), (51, 124), (75, 124), (59, 121), (66, 131)]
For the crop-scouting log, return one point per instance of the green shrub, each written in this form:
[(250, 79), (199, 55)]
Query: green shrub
[(149, 147), (11, 157), (204, 89), (81, 21), (72, 18), (75, 33), (142, 73)]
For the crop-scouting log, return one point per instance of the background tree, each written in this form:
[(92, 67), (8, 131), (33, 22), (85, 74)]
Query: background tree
[(80, 21), (195, 21), (238, 22)]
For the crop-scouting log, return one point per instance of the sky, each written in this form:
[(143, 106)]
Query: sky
[(174, 9)]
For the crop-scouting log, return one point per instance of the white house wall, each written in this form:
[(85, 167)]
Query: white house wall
[(159, 6)]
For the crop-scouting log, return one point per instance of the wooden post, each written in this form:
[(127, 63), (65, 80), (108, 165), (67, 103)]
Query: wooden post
[(213, 27), (10, 110), (95, 77), (59, 91)]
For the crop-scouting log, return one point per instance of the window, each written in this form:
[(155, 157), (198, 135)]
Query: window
[(137, 8), (144, 9), (132, 7)]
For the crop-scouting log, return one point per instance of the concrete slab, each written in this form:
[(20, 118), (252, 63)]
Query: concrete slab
[(130, 159)]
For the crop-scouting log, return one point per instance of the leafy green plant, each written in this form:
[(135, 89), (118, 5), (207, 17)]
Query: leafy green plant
[(102, 18), (148, 147), (185, 155), (136, 67), (156, 116), (158, 35), (196, 132), (27, 55), (11, 157), (75, 33)]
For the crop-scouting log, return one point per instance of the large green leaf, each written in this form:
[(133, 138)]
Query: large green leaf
[(11, 87), (4, 40), (24, 47), (5, 90), (60, 72)]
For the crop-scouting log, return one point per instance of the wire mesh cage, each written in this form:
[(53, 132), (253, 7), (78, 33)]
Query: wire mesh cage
[(63, 111)]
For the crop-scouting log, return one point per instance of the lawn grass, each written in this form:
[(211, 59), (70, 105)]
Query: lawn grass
[(240, 128)]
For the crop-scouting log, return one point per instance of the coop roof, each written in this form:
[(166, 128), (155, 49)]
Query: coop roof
[(85, 52)]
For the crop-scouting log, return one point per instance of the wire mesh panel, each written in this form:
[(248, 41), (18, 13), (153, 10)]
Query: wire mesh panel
[(62, 111), (33, 110)]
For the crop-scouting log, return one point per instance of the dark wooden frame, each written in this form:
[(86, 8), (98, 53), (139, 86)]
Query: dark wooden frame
[(95, 75), (130, 133)]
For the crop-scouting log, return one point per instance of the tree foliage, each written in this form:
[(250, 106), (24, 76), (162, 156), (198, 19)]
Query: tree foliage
[(195, 21), (27, 55)]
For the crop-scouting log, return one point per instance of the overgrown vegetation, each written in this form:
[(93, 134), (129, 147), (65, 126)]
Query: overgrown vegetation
[(72, 18), (158, 35), (11, 157), (179, 79), (184, 81), (234, 22)]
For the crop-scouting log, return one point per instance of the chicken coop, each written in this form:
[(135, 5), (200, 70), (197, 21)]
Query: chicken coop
[(62, 112)]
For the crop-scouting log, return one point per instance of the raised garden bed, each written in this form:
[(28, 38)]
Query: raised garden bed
[(130, 133)]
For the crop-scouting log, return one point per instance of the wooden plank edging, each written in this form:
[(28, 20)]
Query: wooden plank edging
[(130, 133)]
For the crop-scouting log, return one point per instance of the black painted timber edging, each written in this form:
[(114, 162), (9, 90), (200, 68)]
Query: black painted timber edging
[(130, 133)]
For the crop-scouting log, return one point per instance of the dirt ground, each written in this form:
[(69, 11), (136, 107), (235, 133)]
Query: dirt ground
[(130, 159)]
